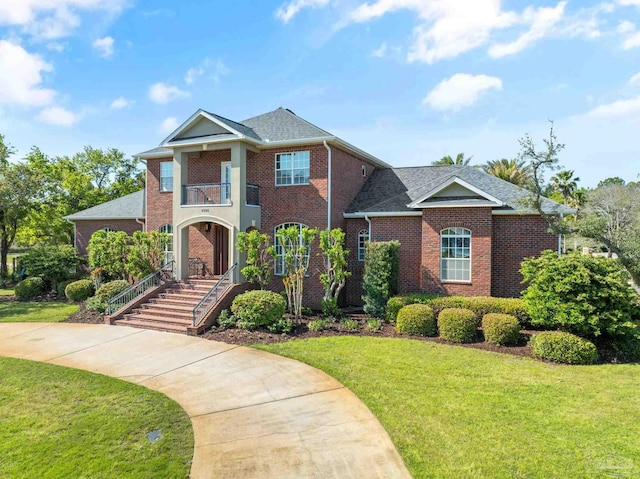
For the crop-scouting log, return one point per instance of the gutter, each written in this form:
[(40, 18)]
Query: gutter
[(328, 185), (366, 218)]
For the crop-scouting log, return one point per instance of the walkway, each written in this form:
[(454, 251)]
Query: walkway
[(254, 414)]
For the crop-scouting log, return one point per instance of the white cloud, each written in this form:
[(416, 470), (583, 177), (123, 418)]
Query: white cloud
[(56, 47), (51, 19), (288, 10), (58, 116), (163, 93), (216, 68), (104, 46), (632, 41), (21, 77), (542, 22), (634, 79), (381, 51), (625, 27), (461, 90), (168, 125), (617, 109), (120, 103), (629, 2)]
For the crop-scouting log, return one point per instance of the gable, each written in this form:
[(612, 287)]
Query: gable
[(455, 190), (458, 189), (202, 127)]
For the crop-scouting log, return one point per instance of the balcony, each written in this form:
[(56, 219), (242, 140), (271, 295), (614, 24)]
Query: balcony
[(216, 194)]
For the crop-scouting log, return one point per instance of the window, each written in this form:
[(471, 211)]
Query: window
[(279, 265), (364, 170), (166, 176), (168, 249), (363, 239), (455, 254), (292, 168)]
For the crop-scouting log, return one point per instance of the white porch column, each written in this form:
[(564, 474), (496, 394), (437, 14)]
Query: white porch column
[(180, 236), (239, 200)]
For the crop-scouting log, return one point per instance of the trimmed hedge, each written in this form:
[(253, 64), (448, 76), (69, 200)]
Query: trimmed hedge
[(29, 288), (501, 329), (562, 347), (259, 308), (79, 290), (417, 320), (458, 325), (60, 287), (111, 289)]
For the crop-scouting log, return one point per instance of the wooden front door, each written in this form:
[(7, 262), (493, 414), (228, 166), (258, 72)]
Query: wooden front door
[(220, 249)]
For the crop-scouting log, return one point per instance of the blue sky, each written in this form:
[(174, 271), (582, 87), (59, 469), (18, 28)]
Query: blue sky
[(406, 80)]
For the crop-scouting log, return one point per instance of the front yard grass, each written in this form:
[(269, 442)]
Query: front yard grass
[(6, 292), (460, 412), (59, 422), (33, 311)]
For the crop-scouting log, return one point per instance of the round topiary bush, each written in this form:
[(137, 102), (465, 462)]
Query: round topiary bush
[(501, 329), (562, 347), (29, 288), (60, 287), (458, 325), (259, 308), (417, 319), (395, 304), (79, 290), (111, 289)]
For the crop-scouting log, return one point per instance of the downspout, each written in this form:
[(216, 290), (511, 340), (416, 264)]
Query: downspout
[(560, 238), (366, 218), (144, 224), (328, 184)]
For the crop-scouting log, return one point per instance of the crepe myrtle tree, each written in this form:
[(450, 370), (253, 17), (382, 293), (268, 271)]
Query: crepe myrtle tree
[(335, 274), (260, 255)]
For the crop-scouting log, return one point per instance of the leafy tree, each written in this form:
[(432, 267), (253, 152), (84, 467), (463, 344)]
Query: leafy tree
[(580, 294), (296, 247), (260, 255), (109, 252), (611, 216), (615, 180), (513, 171), (565, 183), (380, 279), (52, 263), (146, 253), (448, 160), (335, 274)]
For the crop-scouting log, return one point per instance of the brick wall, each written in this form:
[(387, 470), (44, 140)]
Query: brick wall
[(85, 228), (516, 238), (479, 221), (159, 204), (354, 282)]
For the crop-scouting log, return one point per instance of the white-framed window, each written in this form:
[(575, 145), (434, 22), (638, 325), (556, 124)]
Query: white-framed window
[(455, 254), (292, 168), (278, 265), (168, 248), (166, 176), (363, 239)]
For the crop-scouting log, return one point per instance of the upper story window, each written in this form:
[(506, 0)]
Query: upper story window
[(292, 168), (166, 176), (279, 264), (363, 239), (455, 254)]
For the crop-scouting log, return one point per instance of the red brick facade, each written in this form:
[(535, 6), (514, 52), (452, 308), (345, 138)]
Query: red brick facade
[(85, 228)]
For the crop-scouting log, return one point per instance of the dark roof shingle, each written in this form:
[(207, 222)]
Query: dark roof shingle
[(126, 207)]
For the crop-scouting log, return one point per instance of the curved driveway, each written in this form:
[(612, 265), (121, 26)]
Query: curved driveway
[(254, 414)]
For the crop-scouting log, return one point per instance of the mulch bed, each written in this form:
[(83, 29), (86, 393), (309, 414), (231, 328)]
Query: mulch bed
[(86, 316)]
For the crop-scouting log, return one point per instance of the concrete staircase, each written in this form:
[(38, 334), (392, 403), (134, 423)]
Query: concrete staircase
[(172, 309)]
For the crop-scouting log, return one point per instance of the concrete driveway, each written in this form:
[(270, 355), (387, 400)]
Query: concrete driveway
[(254, 414)]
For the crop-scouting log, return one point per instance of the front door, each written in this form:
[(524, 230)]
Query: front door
[(220, 250), (225, 180)]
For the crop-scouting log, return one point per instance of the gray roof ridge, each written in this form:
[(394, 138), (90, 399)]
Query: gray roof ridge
[(306, 121)]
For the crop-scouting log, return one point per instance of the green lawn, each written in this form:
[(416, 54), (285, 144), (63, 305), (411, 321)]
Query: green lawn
[(460, 412), (6, 292), (18, 311), (58, 422)]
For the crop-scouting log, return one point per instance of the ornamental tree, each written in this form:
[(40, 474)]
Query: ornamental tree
[(260, 255), (335, 274)]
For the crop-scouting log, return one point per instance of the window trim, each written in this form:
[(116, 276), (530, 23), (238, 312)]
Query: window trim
[(163, 229), (468, 234), (160, 177), (362, 250), (275, 168), (279, 259)]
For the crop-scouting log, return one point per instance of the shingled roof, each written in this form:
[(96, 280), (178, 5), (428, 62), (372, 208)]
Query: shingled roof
[(394, 189), (124, 208), (283, 125)]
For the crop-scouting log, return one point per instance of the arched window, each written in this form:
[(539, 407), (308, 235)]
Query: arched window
[(455, 254), (279, 265), (363, 239), (168, 249)]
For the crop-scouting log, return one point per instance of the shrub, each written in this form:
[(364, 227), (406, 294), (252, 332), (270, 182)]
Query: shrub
[(79, 290), (259, 308), (318, 325), (563, 347), (580, 294), (52, 263), (111, 289), (60, 287), (458, 325), (625, 348), (283, 325), (226, 320), (350, 325), (374, 325), (380, 279), (94, 304), (501, 329), (417, 320), (481, 305), (395, 304), (29, 288), (330, 308)]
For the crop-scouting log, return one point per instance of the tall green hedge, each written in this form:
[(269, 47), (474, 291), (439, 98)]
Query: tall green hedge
[(380, 280)]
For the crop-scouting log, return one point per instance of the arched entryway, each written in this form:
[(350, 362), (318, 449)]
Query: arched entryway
[(204, 247)]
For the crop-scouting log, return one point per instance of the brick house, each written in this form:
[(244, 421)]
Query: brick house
[(461, 230)]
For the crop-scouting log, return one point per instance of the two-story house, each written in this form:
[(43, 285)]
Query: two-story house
[(461, 230)]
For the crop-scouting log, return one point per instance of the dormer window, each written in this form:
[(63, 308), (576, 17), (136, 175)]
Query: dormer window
[(292, 168)]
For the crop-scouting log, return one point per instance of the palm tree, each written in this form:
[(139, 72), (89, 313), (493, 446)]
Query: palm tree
[(565, 183), (447, 160), (513, 171)]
